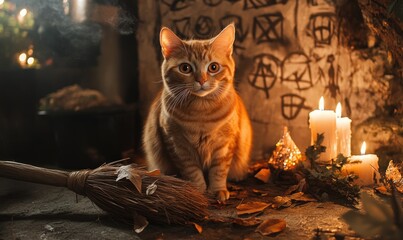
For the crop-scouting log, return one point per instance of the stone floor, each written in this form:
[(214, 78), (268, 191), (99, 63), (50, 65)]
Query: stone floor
[(32, 211)]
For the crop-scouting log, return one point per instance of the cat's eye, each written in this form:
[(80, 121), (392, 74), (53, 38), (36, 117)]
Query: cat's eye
[(213, 67), (185, 68)]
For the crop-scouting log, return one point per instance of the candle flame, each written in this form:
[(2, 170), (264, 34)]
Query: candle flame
[(363, 148), (338, 110), (321, 104)]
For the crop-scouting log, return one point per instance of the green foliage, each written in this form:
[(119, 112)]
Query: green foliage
[(326, 181), (313, 152), (379, 219)]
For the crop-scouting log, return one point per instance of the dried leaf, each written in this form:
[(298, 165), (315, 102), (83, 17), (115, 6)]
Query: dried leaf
[(260, 192), (263, 175), (219, 219), (151, 188), (140, 223), (280, 201), (296, 188), (154, 173), (270, 226), (382, 190), (239, 195), (251, 207), (129, 173), (247, 222), (302, 197), (198, 228)]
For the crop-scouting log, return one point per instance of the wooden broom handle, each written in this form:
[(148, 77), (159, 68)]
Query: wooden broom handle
[(29, 173)]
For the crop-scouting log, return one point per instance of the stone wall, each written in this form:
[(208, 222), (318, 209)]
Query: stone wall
[(288, 54)]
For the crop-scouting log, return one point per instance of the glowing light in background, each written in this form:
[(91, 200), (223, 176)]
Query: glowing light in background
[(22, 58), (1, 2), (30, 61), (23, 12)]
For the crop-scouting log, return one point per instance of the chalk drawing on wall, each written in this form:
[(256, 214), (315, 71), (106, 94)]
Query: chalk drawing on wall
[(177, 5), (323, 28), (204, 27), (295, 69), (264, 73), (268, 28), (333, 77), (241, 32), (256, 4), (212, 3), (182, 27), (291, 105)]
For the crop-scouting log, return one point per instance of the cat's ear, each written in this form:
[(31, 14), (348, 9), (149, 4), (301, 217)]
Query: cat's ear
[(225, 39), (169, 42)]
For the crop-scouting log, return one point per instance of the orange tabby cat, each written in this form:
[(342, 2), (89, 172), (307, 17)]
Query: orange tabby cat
[(198, 124)]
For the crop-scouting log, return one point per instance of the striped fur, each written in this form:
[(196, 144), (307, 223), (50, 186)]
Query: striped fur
[(198, 127)]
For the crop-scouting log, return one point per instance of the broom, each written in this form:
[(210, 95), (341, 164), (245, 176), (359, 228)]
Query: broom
[(125, 191)]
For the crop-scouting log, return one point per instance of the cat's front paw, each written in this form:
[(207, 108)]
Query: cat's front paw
[(222, 195)]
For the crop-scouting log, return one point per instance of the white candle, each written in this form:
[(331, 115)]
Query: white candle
[(343, 133), (324, 121), (367, 170)]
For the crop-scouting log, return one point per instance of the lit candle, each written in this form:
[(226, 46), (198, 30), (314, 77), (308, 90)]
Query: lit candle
[(324, 121), (367, 170), (343, 133)]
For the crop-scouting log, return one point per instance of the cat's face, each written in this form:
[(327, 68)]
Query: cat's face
[(203, 68)]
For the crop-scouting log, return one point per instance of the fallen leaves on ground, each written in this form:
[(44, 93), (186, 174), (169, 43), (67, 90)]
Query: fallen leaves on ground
[(270, 226), (383, 190), (247, 222), (198, 228), (263, 175), (140, 223), (286, 201), (251, 207), (260, 192)]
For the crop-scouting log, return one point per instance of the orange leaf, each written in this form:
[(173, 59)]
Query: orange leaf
[(263, 175), (198, 227), (247, 222), (270, 226), (251, 207), (154, 173)]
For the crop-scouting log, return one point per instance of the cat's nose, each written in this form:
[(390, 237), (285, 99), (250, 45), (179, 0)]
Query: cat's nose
[(202, 78)]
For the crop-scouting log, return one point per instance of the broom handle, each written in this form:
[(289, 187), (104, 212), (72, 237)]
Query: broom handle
[(29, 173)]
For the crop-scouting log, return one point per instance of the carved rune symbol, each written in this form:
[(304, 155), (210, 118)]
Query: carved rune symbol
[(296, 69), (204, 26), (182, 27), (268, 27), (291, 105), (177, 5), (323, 27), (264, 74)]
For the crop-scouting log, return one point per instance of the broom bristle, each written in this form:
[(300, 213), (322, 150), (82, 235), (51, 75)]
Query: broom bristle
[(174, 201)]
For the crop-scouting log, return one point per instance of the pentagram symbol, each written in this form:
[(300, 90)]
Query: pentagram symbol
[(268, 28), (291, 105), (264, 74), (177, 5), (322, 26), (204, 27), (182, 27), (256, 4), (296, 70)]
